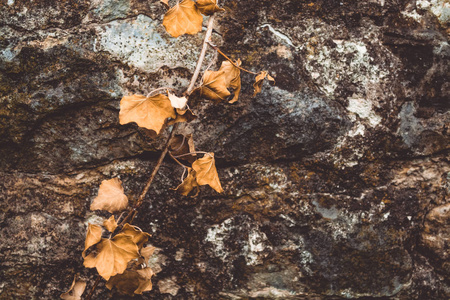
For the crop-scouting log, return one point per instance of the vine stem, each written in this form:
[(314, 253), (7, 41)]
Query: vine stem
[(135, 208), (202, 55), (229, 59)]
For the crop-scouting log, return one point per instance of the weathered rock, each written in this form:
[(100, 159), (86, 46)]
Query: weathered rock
[(336, 178)]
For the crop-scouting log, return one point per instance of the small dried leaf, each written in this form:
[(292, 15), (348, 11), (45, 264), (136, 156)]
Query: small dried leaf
[(132, 281), (93, 236), (208, 7), (150, 113), (165, 2), (183, 145), (214, 86), (216, 83), (112, 255), (139, 237), (110, 224), (110, 196), (189, 183), (75, 291), (147, 252), (207, 172), (183, 116), (259, 79), (183, 18), (177, 102)]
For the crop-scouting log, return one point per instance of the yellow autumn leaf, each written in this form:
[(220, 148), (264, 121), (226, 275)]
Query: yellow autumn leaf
[(188, 184), (139, 237), (208, 7), (183, 18), (110, 224), (177, 102), (75, 291), (205, 168), (93, 236), (112, 255), (232, 77), (110, 196), (150, 113), (259, 79)]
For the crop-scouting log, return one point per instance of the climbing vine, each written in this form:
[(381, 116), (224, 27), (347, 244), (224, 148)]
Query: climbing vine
[(116, 248)]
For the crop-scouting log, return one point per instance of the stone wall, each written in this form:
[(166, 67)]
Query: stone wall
[(336, 179)]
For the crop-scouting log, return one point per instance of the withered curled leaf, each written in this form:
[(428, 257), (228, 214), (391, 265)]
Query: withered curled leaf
[(177, 102), (139, 237), (132, 282), (110, 224), (147, 252), (208, 7), (183, 146), (183, 18), (112, 255), (75, 291), (216, 83), (189, 183), (110, 196), (150, 113), (93, 236), (259, 79), (183, 115), (206, 172)]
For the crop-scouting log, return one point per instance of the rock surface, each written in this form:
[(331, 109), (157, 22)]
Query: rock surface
[(336, 179)]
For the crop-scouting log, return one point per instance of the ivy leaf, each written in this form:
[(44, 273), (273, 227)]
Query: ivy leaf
[(183, 145), (259, 79), (177, 102), (132, 281), (189, 183), (183, 18), (205, 168), (150, 113), (147, 252), (110, 196), (138, 236), (110, 224), (93, 236), (75, 291), (216, 83), (112, 255), (183, 116), (208, 7)]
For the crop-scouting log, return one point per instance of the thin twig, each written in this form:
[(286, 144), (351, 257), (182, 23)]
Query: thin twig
[(97, 281), (194, 152), (177, 161), (229, 59), (159, 89), (202, 55)]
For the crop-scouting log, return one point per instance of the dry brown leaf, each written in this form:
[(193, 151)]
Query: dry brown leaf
[(216, 83), (110, 224), (75, 291), (150, 113), (183, 115), (208, 7), (147, 252), (214, 86), (112, 255), (183, 18), (93, 236), (183, 145), (110, 196), (259, 79), (205, 168), (132, 281), (177, 102), (165, 2), (139, 237), (189, 183)]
